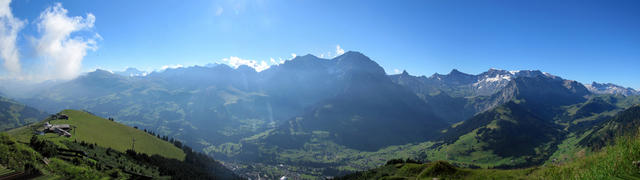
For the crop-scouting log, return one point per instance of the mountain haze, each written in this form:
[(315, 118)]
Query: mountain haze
[(338, 115)]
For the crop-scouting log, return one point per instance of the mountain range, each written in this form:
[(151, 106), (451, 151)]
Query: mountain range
[(322, 117), (131, 72), (608, 88)]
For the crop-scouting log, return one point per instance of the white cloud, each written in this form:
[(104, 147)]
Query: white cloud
[(62, 53), (235, 62), (9, 28), (396, 71), (339, 51), (219, 11), (165, 67)]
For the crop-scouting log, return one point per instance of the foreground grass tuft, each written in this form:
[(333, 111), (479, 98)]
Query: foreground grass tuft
[(611, 161)]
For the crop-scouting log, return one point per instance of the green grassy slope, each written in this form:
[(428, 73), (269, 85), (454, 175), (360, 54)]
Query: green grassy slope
[(508, 135), (105, 133), (433, 170), (619, 159), (13, 114), (625, 123), (612, 162), (44, 159)]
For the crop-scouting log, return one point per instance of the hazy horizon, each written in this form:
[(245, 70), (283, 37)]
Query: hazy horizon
[(584, 41)]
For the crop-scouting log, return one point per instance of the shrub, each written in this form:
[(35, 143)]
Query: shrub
[(438, 168)]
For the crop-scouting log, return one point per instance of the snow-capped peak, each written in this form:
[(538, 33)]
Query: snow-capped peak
[(609, 88)]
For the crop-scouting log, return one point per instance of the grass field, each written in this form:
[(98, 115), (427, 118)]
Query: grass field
[(612, 162), (105, 133)]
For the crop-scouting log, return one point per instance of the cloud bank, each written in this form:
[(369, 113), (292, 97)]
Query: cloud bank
[(59, 54), (9, 28), (235, 62), (62, 53), (165, 67)]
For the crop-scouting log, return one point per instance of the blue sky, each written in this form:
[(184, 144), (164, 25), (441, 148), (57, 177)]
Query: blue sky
[(584, 40)]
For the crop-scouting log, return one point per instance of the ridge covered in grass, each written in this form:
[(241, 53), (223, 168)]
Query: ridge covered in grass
[(103, 132)]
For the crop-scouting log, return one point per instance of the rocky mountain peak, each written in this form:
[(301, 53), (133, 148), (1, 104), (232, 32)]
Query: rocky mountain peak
[(405, 73)]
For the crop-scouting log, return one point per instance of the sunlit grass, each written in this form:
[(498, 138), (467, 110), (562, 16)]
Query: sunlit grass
[(106, 133)]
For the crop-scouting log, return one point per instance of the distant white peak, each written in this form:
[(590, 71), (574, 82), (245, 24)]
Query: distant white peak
[(131, 72), (514, 72), (498, 78), (105, 70), (496, 69), (139, 74)]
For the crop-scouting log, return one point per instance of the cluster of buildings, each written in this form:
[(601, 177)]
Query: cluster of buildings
[(60, 129)]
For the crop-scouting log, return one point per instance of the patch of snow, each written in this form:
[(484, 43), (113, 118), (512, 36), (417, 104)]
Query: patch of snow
[(498, 78), (548, 74)]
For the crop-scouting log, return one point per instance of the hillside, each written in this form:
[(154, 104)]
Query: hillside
[(507, 135), (617, 159), (98, 149), (624, 124), (42, 158), (103, 132), (14, 114)]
